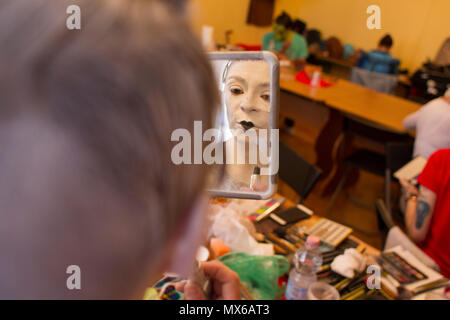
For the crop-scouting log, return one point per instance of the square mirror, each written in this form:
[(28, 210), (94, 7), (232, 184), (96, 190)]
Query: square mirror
[(245, 159)]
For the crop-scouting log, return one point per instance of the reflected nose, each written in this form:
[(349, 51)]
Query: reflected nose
[(247, 106)]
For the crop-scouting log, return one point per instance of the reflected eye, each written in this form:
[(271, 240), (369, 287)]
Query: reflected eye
[(236, 90), (265, 97)]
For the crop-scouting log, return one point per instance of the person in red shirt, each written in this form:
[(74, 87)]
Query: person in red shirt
[(427, 214)]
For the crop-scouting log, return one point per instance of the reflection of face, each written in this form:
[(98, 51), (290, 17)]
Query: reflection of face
[(247, 95)]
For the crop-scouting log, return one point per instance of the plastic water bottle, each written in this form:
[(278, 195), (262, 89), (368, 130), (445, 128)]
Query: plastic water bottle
[(307, 261)]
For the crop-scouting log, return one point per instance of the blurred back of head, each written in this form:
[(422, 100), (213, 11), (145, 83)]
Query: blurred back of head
[(284, 19), (386, 42), (85, 123), (299, 26), (313, 36)]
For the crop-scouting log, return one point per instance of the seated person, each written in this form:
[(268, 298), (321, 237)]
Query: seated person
[(432, 126), (333, 48), (299, 27), (380, 60), (427, 214), (85, 126), (314, 40), (284, 42)]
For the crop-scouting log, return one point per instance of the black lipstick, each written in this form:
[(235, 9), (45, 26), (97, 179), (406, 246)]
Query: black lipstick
[(246, 125)]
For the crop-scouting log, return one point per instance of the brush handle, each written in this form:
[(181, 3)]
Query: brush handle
[(199, 278)]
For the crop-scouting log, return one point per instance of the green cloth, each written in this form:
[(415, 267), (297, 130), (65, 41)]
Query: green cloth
[(297, 50)]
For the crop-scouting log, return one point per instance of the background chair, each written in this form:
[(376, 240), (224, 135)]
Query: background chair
[(398, 151), (397, 155), (372, 61), (295, 171), (381, 82)]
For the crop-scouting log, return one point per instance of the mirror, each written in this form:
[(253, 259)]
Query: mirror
[(247, 119)]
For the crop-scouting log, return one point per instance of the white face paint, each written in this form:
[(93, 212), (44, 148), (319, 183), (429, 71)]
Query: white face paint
[(247, 95)]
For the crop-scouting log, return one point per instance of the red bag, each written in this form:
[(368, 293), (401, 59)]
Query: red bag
[(302, 77)]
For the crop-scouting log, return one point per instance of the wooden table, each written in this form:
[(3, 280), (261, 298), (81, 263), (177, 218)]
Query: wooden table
[(383, 109), (340, 62), (333, 104), (339, 67), (268, 225)]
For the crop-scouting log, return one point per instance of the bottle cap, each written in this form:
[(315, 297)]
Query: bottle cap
[(313, 241), (256, 170)]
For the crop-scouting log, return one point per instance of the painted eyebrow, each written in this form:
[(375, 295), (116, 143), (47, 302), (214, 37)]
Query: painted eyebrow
[(238, 78)]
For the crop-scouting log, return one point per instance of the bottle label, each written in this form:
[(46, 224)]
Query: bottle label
[(294, 292)]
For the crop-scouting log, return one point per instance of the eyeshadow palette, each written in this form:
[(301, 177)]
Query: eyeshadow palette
[(266, 209), (329, 232), (400, 269)]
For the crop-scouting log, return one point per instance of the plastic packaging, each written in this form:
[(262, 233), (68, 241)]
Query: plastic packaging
[(307, 261), (258, 274), (237, 231)]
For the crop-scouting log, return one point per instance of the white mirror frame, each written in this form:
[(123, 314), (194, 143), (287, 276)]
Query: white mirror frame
[(272, 59)]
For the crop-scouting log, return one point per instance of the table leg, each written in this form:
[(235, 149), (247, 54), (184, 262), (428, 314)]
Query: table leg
[(344, 149), (325, 142)]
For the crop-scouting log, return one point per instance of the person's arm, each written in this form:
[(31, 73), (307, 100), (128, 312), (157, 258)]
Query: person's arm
[(410, 121), (265, 43), (418, 213), (300, 52), (267, 38), (282, 53), (300, 47)]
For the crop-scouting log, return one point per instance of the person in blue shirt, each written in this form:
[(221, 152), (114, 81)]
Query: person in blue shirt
[(286, 43), (380, 60)]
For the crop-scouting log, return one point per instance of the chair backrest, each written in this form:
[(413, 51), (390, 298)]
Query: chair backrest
[(298, 173), (380, 82), (372, 131), (398, 154)]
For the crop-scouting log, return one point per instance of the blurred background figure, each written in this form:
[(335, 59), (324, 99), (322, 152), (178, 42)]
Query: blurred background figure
[(299, 27), (380, 60), (432, 126), (286, 43)]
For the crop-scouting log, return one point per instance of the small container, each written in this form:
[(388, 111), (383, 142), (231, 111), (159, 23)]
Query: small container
[(322, 291), (255, 179), (315, 81)]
